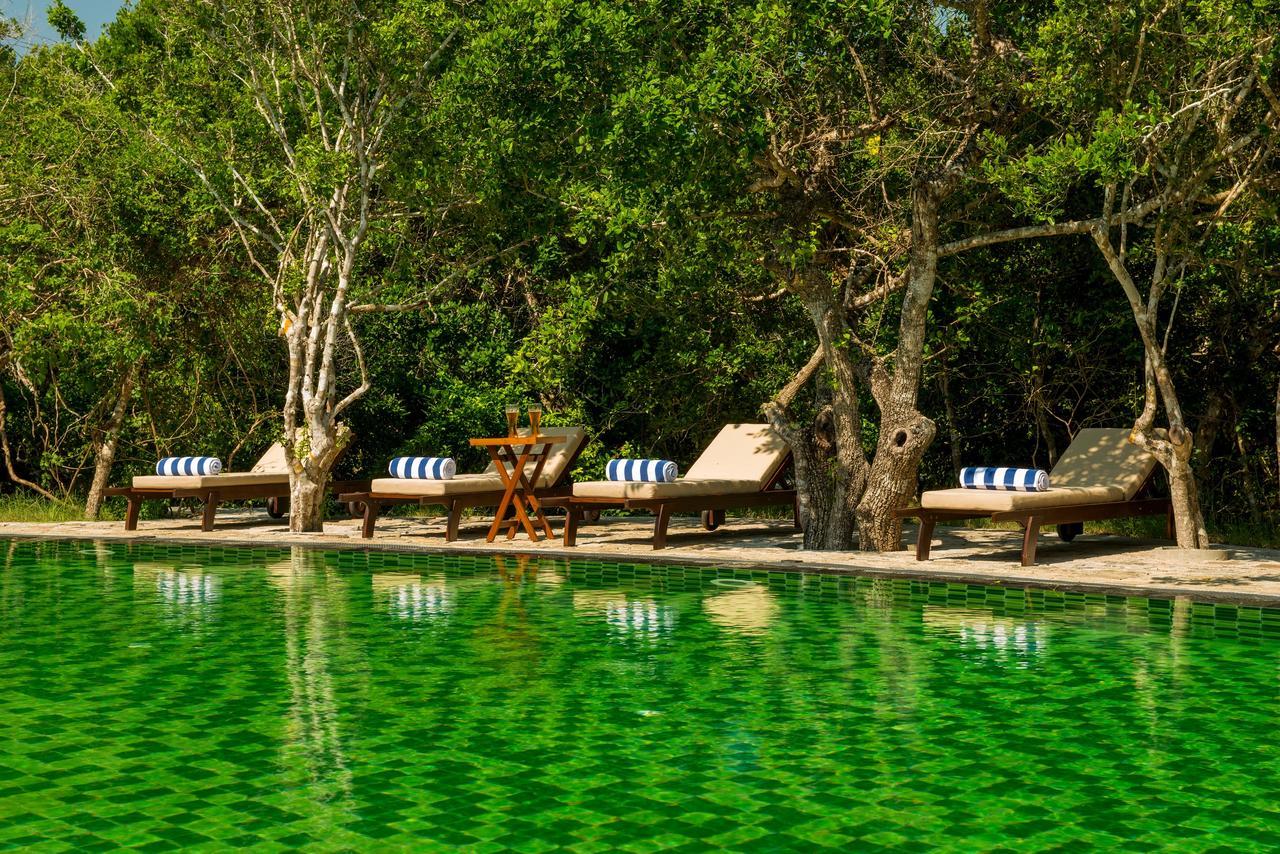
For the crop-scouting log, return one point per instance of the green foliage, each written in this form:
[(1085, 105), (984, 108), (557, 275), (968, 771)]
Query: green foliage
[(65, 22), (573, 196)]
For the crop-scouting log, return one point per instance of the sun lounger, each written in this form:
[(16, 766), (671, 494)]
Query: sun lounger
[(1102, 475), (742, 467), (269, 479), (485, 489)]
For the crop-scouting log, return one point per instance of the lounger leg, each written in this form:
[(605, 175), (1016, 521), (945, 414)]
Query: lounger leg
[(455, 517), (660, 527), (924, 537), (131, 514), (1170, 529), (572, 515), (1029, 536), (210, 511), (371, 509)]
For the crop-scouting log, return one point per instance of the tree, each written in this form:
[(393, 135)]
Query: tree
[(121, 321), (307, 110), (1177, 135)]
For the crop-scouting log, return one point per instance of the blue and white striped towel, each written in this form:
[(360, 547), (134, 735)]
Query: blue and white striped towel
[(180, 466), (647, 471), (423, 468), (1007, 479)]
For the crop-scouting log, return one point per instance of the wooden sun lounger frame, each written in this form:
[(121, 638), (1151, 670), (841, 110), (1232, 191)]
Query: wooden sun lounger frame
[(213, 496), (711, 506), (370, 504), (1033, 519)]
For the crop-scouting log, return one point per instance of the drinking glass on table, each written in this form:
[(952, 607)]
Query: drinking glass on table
[(513, 418), (535, 418)]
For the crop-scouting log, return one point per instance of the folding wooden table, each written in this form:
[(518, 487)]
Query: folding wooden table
[(519, 493)]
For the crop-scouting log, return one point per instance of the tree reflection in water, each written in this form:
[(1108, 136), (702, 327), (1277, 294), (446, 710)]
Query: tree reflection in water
[(314, 609)]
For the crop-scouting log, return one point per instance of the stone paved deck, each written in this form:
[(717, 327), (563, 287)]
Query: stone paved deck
[(1093, 563)]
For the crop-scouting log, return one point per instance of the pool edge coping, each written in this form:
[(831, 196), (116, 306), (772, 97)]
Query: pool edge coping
[(1214, 597)]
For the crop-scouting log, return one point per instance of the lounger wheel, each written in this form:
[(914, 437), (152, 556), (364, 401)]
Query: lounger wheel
[(591, 515), (355, 509), (712, 519), (277, 507), (1068, 531)]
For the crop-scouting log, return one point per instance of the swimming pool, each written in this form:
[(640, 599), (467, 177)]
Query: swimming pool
[(170, 697)]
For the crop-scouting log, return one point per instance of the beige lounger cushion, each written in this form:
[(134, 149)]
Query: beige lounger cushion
[(216, 481), (683, 488), (459, 485), (1100, 466), (271, 467), (742, 458), (1103, 456), (751, 452), (998, 501), (273, 461)]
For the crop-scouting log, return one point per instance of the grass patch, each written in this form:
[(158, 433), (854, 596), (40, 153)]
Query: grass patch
[(30, 508)]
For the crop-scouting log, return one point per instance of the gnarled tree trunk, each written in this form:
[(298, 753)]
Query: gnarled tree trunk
[(905, 433), (830, 466)]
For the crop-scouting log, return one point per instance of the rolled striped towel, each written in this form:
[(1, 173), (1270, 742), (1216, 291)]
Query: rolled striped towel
[(179, 466), (423, 468), (1007, 479), (647, 471)]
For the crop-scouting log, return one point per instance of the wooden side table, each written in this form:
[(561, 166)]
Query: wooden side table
[(520, 489)]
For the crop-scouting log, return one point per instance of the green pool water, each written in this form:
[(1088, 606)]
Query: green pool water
[(178, 697)]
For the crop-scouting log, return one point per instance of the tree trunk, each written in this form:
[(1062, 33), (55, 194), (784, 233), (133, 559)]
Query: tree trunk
[(312, 456), (893, 481), (1176, 451), (905, 433), (830, 466), (1188, 519), (307, 502), (109, 438), (828, 489)]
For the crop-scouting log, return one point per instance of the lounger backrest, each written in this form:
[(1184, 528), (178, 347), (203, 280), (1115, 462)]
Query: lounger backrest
[(272, 462), (1103, 456), (562, 455), (751, 452)]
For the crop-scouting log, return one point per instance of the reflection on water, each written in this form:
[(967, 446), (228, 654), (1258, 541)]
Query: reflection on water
[(411, 598), (982, 630), (314, 748), (187, 586), (367, 702), (625, 616), (748, 610)]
